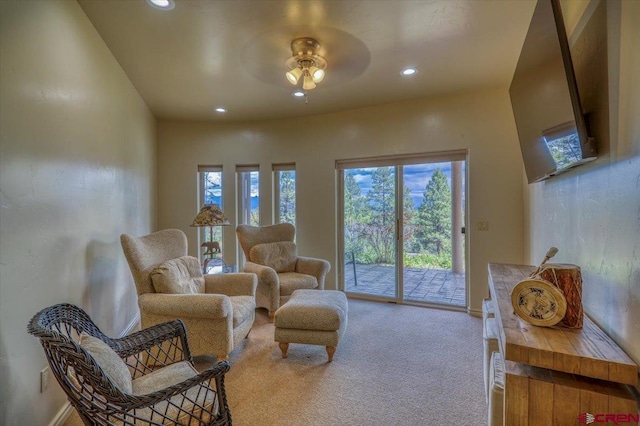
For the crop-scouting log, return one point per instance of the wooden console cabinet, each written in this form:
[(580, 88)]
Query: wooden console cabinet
[(553, 375)]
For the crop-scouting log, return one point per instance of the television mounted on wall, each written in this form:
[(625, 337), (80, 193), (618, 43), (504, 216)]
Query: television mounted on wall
[(546, 104)]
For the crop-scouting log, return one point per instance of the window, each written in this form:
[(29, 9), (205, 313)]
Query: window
[(210, 182), (284, 182), (248, 194)]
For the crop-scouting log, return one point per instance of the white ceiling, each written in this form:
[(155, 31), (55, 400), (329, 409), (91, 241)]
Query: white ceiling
[(187, 61)]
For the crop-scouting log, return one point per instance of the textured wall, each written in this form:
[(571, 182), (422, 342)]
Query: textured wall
[(77, 155), (592, 214), (481, 122)]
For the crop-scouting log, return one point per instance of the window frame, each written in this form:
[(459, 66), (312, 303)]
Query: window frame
[(243, 192)]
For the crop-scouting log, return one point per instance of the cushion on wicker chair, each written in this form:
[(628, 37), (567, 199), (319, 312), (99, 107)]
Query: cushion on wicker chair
[(107, 359), (164, 377), (281, 255), (178, 276), (182, 407)]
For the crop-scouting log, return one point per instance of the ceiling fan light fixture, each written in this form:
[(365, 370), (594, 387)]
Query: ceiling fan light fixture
[(305, 62)]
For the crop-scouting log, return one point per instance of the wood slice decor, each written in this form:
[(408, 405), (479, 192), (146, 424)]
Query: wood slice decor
[(538, 302), (568, 279)]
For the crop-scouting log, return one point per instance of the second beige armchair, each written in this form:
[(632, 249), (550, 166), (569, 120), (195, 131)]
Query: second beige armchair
[(271, 254), (217, 310)]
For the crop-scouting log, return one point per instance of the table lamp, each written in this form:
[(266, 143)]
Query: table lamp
[(210, 215)]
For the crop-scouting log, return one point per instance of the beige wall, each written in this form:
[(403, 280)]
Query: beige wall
[(77, 155), (592, 214), (481, 122)]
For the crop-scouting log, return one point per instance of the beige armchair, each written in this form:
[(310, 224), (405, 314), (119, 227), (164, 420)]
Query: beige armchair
[(271, 254), (217, 310)]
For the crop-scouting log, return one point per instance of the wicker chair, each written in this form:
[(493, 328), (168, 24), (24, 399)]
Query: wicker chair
[(155, 356)]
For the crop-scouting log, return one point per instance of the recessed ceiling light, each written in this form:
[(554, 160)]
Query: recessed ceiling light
[(221, 110), (298, 93), (409, 71), (162, 4)]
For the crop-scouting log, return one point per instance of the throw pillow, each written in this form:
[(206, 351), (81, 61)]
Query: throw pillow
[(109, 361), (281, 256), (178, 276)]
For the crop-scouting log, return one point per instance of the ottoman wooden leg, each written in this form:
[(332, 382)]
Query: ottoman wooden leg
[(330, 351), (284, 347)]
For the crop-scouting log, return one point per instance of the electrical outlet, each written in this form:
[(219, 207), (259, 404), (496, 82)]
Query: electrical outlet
[(44, 378), (483, 225)]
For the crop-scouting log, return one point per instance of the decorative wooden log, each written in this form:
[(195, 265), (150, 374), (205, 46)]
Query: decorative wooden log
[(568, 279)]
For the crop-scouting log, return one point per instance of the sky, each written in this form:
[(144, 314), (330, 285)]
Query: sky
[(416, 178)]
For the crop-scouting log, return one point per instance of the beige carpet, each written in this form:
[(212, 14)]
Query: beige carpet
[(396, 365)]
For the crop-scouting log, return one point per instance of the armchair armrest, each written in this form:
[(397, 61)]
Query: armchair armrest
[(210, 306), (266, 275), (235, 284), (154, 336), (156, 346), (316, 267)]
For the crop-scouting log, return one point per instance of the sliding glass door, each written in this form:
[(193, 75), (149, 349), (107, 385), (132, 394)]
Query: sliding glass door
[(402, 229), (370, 231)]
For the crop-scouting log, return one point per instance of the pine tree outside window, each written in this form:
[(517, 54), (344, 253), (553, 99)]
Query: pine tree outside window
[(284, 182)]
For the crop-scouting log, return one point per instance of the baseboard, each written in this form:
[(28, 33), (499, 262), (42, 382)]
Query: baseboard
[(62, 416), (475, 312), (132, 325), (66, 410)]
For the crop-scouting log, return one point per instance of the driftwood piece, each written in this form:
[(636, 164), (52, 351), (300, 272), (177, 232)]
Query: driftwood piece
[(568, 279)]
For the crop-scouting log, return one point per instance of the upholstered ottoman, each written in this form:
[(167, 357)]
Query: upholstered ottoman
[(314, 317)]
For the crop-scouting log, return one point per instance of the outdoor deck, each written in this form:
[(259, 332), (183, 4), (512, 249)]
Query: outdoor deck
[(420, 285)]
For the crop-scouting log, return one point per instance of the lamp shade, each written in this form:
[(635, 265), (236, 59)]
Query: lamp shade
[(294, 75), (210, 215), (308, 83), (316, 73)]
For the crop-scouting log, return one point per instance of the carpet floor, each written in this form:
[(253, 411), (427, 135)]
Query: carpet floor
[(395, 365)]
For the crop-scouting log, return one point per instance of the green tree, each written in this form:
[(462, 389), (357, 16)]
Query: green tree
[(379, 229), (288, 196), (434, 216), (355, 210), (212, 192), (565, 150), (409, 214), (355, 204)]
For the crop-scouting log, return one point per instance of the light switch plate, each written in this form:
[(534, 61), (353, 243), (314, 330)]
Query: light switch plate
[(45, 373)]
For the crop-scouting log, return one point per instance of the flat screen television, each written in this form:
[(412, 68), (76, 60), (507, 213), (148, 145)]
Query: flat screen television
[(544, 96)]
